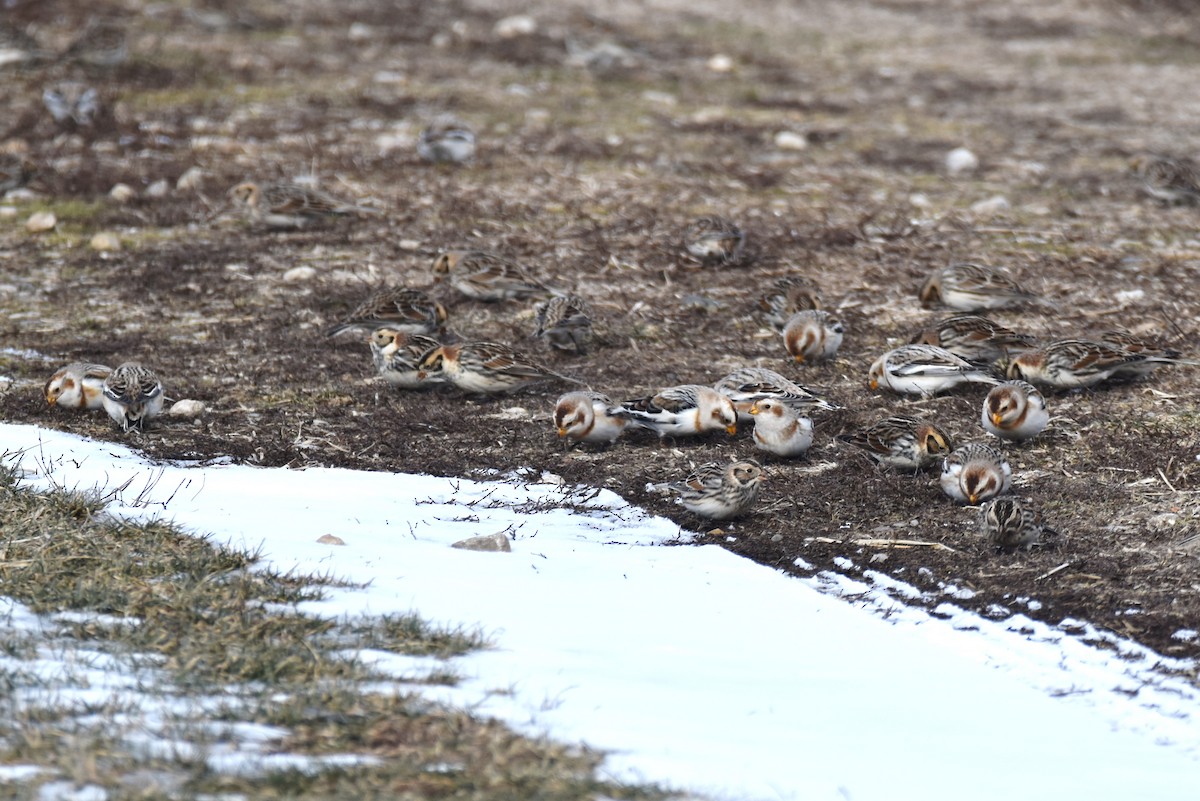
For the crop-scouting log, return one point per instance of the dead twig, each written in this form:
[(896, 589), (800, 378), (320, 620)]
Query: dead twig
[(1052, 571)]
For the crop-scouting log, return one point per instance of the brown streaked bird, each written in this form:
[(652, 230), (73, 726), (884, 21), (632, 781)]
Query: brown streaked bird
[(1075, 363), (924, 370), (287, 205), (399, 308), (977, 339), (901, 442), (720, 491), (485, 368), (132, 394), (489, 277), (1015, 410), (974, 287), (1171, 180), (681, 411), (788, 295), (813, 336), (1140, 346), (714, 240), (565, 322), (398, 354), (79, 385), (1010, 523), (584, 416), (974, 473)]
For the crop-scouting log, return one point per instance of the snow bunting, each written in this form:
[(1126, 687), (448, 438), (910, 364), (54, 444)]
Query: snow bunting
[(901, 442), (584, 417), (746, 385), (714, 240), (977, 339), (397, 355), (480, 275), (720, 491), (72, 103), (779, 430), (79, 385), (972, 287), (1009, 523), (446, 140), (924, 370), (787, 296), (484, 368), (565, 322), (813, 336), (1015, 410), (286, 205), (681, 411), (1171, 180), (1073, 363), (975, 473), (399, 308), (15, 171), (132, 394)]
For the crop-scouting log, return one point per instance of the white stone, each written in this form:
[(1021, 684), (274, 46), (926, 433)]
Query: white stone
[(122, 193), (21, 193), (516, 25), (360, 32), (41, 221), (8, 212), (192, 178), (660, 98), (297, 274), (409, 244), (330, 539), (187, 408), (993, 204), (790, 140), (1129, 295), (105, 241), (720, 63), (486, 542), (961, 160), (159, 188)]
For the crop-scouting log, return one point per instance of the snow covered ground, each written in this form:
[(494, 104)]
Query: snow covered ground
[(691, 666)]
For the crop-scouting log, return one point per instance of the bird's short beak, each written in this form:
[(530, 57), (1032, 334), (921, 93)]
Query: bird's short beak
[(754, 409), (422, 375), (874, 384), (731, 429), (562, 432), (996, 418), (49, 401), (799, 358), (974, 499)]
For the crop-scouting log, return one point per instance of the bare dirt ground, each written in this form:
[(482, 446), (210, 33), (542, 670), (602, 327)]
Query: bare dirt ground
[(603, 132)]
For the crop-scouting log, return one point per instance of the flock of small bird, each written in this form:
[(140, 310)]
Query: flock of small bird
[(412, 348)]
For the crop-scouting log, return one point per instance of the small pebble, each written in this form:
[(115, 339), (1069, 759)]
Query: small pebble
[(160, 188), (41, 221), (790, 140), (961, 160), (297, 274), (720, 63), (330, 539), (187, 408), (192, 178), (105, 241), (514, 26), (122, 193)]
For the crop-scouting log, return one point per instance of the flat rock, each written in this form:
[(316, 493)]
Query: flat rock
[(485, 542)]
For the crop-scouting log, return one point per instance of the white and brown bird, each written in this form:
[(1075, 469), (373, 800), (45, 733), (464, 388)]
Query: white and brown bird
[(1015, 410), (584, 416), (288, 205), (977, 339), (1171, 180), (813, 336), (484, 368), (398, 356), (1010, 523), (411, 311), (788, 295), (901, 442), (446, 140), (132, 394), (714, 240), (778, 430), (681, 411), (747, 385), (1140, 346), (565, 322), (924, 370), (15, 171), (489, 277), (1074, 363), (72, 104), (974, 473), (974, 287), (79, 385), (720, 491)]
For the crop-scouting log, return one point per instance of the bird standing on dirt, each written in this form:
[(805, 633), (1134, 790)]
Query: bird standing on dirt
[(132, 395), (287, 205)]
